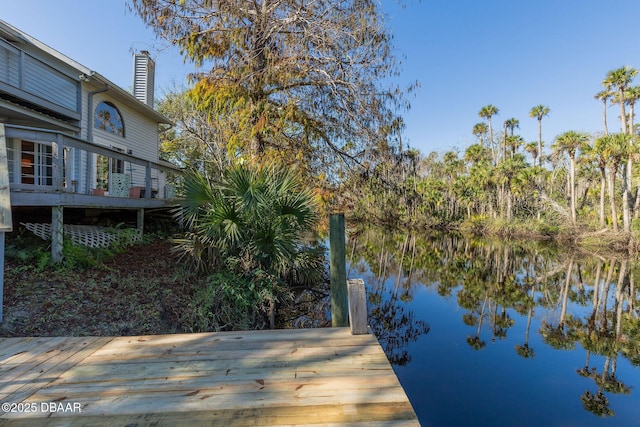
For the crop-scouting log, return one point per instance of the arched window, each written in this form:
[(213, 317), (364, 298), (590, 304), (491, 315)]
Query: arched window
[(108, 118)]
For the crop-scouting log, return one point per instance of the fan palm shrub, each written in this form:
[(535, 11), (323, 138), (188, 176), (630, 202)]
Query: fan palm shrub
[(252, 223)]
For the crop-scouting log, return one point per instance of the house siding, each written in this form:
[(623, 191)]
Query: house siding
[(25, 71), (140, 138), (49, 91)]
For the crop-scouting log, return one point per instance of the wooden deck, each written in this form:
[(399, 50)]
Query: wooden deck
[(258, 378)]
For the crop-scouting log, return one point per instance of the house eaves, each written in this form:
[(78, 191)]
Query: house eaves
[(16, 35), (124, 96)]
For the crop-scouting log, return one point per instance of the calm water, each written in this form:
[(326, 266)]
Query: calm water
[(496, 334)]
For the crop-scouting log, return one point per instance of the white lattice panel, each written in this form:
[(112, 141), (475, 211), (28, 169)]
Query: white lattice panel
[(85, 235), (120, 184)]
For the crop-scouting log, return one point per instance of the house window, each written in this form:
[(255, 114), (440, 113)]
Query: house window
[(108, 118), (36, 164)]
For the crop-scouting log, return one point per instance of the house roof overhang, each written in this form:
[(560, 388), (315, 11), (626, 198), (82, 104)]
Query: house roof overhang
[(89, 76)]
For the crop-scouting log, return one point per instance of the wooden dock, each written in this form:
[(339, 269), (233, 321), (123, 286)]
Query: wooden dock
[(257, 378)]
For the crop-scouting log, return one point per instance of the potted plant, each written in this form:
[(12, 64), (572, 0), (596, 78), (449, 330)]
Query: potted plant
[(100, 188)]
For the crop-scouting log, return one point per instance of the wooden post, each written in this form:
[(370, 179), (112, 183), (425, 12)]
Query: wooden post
[(57, 233), (357, 307), (338, 270), (140, 222), (1, 273), (6, 221)]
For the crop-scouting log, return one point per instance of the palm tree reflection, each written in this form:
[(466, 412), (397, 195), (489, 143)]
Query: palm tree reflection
[(569, 299)]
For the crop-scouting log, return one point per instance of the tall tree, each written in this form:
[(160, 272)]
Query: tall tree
[(509, 126), (632, 96), (596, 154), (196, 142), (604, 96), (570, 142), (532, 148), (512, 124), (538, 112), (613, 147), (620, 80), (480, 131), (487, 112), (290, 73)]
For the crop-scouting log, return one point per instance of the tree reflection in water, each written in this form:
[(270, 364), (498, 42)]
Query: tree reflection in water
[(395, 326), (391, 320), (579, 300)]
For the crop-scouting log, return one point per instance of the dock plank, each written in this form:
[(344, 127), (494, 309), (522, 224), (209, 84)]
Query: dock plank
[(284, 377)]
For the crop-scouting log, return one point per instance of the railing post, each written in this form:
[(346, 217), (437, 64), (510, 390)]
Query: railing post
[(57, 151), (6, 222), (338, 270), (147, 185)]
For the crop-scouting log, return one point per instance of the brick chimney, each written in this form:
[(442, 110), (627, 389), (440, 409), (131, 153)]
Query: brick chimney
[(143, 77)]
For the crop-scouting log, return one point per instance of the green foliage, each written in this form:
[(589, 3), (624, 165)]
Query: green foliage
[(310, 84), (247, 231), (254, 218), (83, 257), (227, 301), (35, 253), (477, 224)]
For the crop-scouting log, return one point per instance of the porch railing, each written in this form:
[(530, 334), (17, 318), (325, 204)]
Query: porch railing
[(75, 172)]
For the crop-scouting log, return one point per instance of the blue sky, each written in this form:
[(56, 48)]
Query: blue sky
[(513, 54)]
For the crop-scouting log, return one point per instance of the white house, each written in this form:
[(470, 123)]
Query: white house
[(73, 138)]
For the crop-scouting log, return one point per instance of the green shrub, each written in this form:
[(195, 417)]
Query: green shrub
[(228, 301)]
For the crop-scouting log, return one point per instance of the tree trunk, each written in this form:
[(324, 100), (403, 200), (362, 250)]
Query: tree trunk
[(272, 314), (623, 114), (257, 145), (493, 147), (636, 205), (604, 117), (565, 291), (626, 211), (603, 190), (572, 176), (509, 205), (612, 198), (539, 142)]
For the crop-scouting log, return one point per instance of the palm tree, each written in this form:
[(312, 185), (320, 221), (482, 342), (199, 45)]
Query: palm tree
[(476, 153), (511, 124), (604, 96), (620, 79), (509, 173), (532, 148), (595, 153), (539, 111), (252, 222), (570, 142), (480, 131), (514, 142), (632, 96), (614, 148), (524, 350), (487, 112)]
